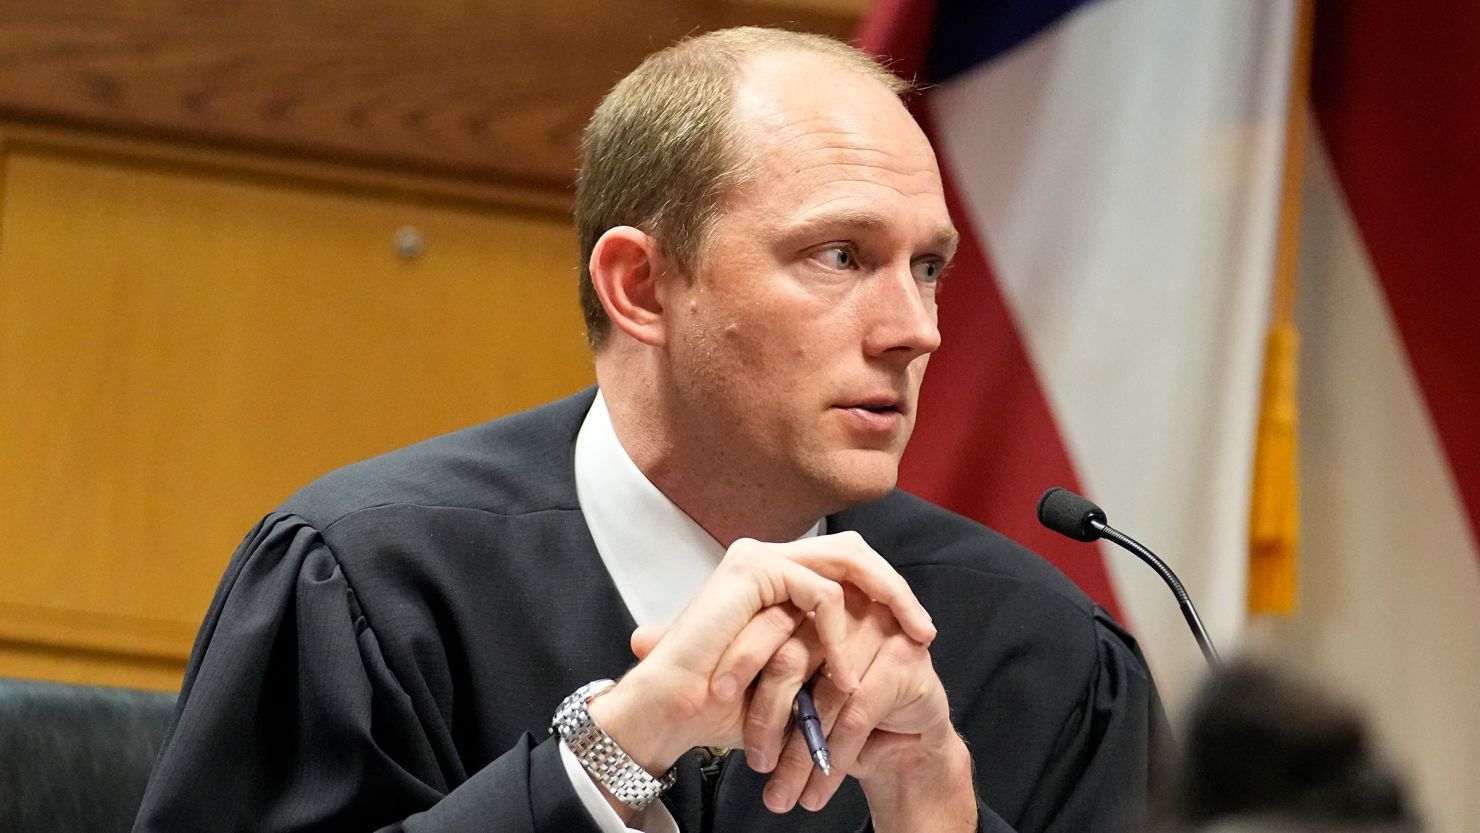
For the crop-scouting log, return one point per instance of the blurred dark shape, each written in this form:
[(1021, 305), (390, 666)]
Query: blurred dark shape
[(1267, 752), (1271, 753), (76, 758)]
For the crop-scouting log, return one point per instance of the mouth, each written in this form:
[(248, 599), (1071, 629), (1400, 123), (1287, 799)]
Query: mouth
[(876, 405), (875, 414)]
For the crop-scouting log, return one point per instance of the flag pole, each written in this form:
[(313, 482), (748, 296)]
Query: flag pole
[(1274, 513)]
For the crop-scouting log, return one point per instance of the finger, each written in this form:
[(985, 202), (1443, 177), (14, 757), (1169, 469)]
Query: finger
[(754, 647), (768, 714), (751, 578), (646, 638), (900, 694), (850, 732), (899, 690), (826, 603), (846, 557), (795, 768)]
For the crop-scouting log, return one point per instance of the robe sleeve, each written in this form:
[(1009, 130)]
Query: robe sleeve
[(290, 719), (1099, 776), (1095, 755), (1066, 732)]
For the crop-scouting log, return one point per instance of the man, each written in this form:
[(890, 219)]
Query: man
[(764, 230)]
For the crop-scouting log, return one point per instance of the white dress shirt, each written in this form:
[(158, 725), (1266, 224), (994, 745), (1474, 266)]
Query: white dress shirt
[(657, 557)]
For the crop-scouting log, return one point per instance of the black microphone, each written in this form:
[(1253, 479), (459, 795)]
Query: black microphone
[(1069, 514)]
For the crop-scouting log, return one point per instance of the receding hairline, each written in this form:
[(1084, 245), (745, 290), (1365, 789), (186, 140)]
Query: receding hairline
[(743, 45), (749, 64), (747, 129)]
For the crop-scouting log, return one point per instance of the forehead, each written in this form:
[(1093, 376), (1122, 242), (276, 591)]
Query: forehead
[(824, 137)]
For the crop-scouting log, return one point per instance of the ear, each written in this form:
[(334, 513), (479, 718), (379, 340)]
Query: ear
[(626, 268)]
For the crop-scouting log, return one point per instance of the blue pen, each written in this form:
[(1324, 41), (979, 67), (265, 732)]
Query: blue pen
[(811, 726)]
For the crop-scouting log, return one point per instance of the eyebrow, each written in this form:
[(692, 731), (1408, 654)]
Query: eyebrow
[(945, 239)]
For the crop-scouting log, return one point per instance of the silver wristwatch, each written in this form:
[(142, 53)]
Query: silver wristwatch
[(600, 755)]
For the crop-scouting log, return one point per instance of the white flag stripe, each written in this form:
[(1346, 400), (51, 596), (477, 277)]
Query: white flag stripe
[(1122, 170)]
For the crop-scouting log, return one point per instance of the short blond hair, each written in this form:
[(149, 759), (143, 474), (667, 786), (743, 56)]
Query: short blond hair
[(662, 150)]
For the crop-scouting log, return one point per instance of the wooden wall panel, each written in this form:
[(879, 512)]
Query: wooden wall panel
[(44, 661), (495, 91), (181, 348)]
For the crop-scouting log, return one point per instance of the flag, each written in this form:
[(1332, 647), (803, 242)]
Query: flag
[(1115, 167)]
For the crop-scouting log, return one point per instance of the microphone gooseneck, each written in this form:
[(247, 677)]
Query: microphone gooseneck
[(1077, 517)]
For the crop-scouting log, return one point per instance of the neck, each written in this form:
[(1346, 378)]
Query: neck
[(727, 509), (720, 498)]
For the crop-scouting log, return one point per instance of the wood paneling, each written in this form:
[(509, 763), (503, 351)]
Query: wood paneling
[(49, 662), (182, 345), (495, 91)]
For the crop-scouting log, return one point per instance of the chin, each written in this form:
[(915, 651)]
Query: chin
[(861, 481), (870, 492)]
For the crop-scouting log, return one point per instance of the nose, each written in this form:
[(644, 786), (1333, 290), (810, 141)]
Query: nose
[(902, 317)]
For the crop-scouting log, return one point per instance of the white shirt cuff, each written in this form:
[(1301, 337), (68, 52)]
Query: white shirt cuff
[(653, 818)]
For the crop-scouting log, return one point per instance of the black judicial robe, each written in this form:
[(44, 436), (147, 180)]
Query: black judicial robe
[(386, 649)]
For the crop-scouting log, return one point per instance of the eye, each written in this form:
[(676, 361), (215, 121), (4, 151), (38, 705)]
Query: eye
[(928, 271), (837, 257)]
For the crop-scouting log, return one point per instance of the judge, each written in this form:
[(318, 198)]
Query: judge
[(764, 235)]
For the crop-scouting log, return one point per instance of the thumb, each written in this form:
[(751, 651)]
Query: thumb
[(646, 638)]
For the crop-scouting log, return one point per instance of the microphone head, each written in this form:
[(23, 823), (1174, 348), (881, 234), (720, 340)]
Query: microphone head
[(1069, 514)]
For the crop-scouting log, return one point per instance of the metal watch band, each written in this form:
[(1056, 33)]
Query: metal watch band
[(600, 755)]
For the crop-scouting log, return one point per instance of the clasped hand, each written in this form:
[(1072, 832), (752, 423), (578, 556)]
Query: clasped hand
[(726, 671)]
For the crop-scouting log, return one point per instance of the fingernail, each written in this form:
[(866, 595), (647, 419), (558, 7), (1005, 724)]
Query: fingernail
[(778, 800), (759, 760), (812, 800), (726, 687)]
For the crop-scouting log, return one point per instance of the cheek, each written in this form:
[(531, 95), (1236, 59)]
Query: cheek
[(769, 374), (769, 343), (768, 340)]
